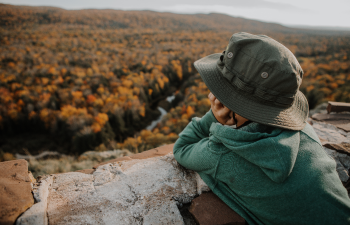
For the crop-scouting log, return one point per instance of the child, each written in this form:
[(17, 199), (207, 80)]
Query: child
[(271, 168)]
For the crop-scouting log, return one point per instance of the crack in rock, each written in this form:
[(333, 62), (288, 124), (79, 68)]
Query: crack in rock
[(136, 196)]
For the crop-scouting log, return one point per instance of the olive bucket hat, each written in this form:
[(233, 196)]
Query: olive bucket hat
[(257, 78)]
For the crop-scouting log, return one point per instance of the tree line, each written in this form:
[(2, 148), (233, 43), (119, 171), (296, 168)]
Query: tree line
[(82, 80)]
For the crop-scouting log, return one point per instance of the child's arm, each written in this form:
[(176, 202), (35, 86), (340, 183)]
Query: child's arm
[(192, 149)]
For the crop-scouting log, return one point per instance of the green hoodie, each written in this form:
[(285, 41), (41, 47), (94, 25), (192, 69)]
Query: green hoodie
[(267, 175)]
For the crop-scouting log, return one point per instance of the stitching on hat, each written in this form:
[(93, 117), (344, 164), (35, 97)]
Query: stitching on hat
[(242, 85), (272, 68), (266, 99), (264, 95), (264, 63), (260, 93), (237, 74), (257, 84), (281, 99)]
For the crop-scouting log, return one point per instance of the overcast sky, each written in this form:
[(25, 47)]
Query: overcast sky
[(296, 12)]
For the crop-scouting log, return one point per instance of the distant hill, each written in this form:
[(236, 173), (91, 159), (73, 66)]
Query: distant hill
[(320, 28), (20, 16)]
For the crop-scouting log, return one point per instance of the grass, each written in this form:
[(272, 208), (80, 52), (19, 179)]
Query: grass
[(64, 164)]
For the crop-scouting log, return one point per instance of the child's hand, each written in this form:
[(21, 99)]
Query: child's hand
[(222, 114)]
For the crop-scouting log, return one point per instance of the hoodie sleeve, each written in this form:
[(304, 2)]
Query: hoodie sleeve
[(192, 149)]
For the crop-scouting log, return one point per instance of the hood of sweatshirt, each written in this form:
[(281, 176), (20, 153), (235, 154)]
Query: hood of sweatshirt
[(274, 150)]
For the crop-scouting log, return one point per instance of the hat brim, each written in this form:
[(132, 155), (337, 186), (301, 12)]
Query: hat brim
[(293, 117)]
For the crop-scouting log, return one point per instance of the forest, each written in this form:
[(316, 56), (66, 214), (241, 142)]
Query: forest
[(78, 80)]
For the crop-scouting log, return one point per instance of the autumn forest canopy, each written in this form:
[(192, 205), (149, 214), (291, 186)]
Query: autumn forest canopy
[(76, 80)]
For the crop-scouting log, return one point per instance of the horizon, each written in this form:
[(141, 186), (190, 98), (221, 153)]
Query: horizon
[(310, 15)]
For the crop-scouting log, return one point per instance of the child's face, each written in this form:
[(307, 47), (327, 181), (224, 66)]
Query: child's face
[(222, 114)]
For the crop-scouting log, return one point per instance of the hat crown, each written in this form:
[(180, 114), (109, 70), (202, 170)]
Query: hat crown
[(261, 66)]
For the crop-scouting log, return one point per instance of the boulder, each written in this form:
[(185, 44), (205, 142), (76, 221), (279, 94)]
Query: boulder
[(336, 143), (330, 133), (37, 214), (148, 191), (342, 163), (341, 120), (15, 190), (343, 148)]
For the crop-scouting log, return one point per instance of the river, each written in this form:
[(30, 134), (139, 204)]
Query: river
[(162, 111)]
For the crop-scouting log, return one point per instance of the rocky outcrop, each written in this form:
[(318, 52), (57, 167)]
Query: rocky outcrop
[(148, 188), (147, 191), (129, 192), (15, 190), (341, 120)]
